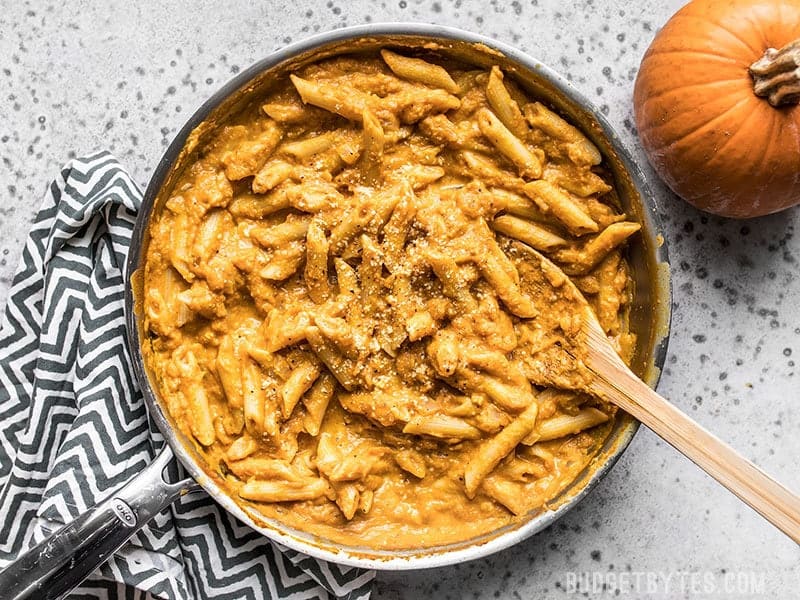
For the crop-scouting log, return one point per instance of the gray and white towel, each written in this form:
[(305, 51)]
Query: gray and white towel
[(73, 424)]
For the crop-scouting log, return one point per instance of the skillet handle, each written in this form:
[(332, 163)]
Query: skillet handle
[(53, 568)]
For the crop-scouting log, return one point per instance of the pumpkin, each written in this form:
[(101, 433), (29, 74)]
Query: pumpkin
[(716, 108)]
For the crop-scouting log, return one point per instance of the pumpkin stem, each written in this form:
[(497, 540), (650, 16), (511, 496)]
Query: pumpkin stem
[(776, 75)]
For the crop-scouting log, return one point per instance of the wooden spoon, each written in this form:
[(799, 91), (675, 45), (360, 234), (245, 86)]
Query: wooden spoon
[(611, 379)]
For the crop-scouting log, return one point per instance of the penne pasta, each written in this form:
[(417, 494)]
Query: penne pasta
[(340, 333), (202, 421), (528, 232), (277, 236), (581, 182), (316, 269), (510, 146), (241, 448), (507, 396), (349, 149), (316, 401), (308, 147), (270, 176), (347, 229), (412, 462), (580, 150), (284, 329), (564, 425), (581, 260), (517, 205), (229, 369), (442, 426), (254, 400), (613, 278), (209, 236), (347, 499), (452, 279), (495, 270), (415, 69), (258, 207), (365, 501), (352, 463), (164, 311), (287, 112), (369, 273), (181, 241), (373, 142), (298, 383), (313, 197), (503, 105), (491, 452), (418, 176), (565, 209), (250, 155), (395, 231), (347, 305), (283, 263), (420, 325), (342, 368), (442, 130), (283, 491), (348, 103), (347, 279), (478, 165)]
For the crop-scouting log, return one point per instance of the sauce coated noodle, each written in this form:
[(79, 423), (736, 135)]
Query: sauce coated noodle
[(340, 313)]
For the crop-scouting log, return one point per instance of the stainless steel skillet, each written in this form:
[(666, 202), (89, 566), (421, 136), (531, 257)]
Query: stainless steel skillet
[(61, 562)]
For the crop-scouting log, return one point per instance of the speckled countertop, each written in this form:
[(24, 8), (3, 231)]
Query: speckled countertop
[(125, 75)]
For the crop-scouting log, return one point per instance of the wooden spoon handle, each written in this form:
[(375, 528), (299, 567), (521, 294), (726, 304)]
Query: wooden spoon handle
[(765, 495)]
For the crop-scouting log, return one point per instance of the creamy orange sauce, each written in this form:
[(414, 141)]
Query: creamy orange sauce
[(341, 313)]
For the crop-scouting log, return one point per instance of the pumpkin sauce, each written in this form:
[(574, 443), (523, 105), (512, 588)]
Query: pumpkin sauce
[(341, 314)]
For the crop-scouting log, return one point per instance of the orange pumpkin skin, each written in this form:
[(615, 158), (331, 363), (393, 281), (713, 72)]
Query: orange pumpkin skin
[(709, 137)]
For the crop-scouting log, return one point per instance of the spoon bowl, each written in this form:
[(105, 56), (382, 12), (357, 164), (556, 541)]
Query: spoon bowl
[(587, 359)]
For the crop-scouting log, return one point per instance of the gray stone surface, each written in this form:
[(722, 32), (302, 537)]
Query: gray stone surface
[(121, 75)]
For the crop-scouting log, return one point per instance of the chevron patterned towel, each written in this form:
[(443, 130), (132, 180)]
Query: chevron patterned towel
[(73, 425)]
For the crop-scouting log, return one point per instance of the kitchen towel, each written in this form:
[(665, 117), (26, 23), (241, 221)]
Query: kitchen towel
[(74, 426)]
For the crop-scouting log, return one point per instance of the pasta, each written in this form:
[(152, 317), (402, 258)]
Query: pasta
[(504, 105), (419, 70), (346, 315)]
